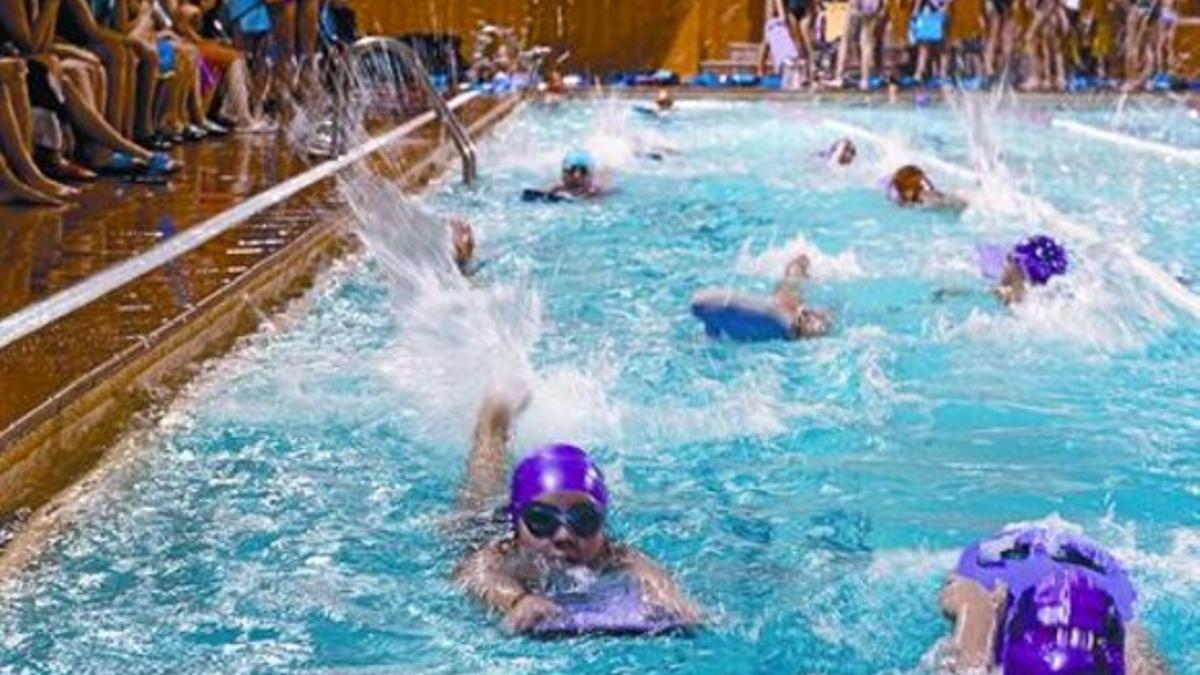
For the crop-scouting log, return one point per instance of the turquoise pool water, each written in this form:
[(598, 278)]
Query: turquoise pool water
[(288, 515)]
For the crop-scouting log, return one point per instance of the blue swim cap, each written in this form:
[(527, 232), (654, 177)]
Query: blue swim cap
[(578, 159)]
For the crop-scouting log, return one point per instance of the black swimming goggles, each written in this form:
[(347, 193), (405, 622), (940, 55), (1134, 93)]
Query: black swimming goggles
[(580, 169), (543, 520)]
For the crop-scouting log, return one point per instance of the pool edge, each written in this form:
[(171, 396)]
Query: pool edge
[(129, 390)]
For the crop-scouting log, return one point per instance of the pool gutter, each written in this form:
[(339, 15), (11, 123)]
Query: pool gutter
[(68, 436)]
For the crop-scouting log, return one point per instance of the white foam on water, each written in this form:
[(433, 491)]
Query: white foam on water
[(456, 339), (771, 262), (911, 563), (992, 179)]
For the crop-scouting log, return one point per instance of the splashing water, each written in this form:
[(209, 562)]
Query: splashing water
[(810, 496)]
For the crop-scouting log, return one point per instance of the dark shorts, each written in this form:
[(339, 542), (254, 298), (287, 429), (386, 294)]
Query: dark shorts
[(797, 8), (1000, 7), (44, 90), (70, 29)]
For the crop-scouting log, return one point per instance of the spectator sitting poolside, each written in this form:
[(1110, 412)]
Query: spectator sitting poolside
[(66, 84), (20, 178)]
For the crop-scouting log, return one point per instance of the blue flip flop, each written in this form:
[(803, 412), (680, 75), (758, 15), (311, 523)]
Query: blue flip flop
[(161, 165), (121, 164)]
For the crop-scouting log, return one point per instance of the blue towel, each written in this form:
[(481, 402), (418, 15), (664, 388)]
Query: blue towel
[(251, 16), (166, 57)]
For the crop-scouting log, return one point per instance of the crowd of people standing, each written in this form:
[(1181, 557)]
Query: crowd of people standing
[(1035, 45)]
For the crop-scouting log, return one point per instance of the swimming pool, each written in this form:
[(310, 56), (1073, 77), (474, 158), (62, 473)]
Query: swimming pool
[(288, 514)]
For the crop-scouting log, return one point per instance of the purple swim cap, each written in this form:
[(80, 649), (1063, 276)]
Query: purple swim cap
[(1023, 557), (1041, 258), (554, 468), (1066, 625)]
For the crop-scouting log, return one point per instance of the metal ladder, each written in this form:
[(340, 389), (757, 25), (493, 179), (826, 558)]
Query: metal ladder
[(408, 57)]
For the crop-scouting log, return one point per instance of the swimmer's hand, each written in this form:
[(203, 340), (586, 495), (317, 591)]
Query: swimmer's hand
[(976, 613), (511, 396), (528, 612)]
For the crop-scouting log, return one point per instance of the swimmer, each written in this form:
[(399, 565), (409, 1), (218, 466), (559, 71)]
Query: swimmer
[(842, 152), (664, 102), (462, 237), (578, 176), (1035, 601), (554, 91), (555, 84), (911, 187), (1032, 262), (558, 507), (782, 316), (805, 321)]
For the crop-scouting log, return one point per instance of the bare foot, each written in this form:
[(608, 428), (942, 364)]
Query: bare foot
[(53, 188), (26, 195), (797, 268)]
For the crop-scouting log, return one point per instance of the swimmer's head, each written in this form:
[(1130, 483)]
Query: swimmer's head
[(463, 240), (811, 323), (843, 152), (909, 184), (557, 504), (1039, 259), (1066, 625), (664, 100), (555, 84), (577, 168)]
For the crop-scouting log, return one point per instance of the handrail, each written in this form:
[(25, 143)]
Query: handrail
[(462, 139)]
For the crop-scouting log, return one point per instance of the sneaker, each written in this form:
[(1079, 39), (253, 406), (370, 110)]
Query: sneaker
[(193, 133), (215, 128)]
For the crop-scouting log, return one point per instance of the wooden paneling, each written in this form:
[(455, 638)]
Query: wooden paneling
[(601, 35), (608, 35)]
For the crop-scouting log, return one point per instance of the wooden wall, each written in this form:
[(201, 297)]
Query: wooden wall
[(608, 35), (601, 35)]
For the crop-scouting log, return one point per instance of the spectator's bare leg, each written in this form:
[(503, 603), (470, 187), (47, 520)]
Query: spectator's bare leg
[(1132, 48), (189, 72), (12, 79), (16, 147), (121, 66), (308, 36), (147, 90), (853, 24), (12, 189), (867, 37), (991, 43), (92, 125), (922, 61), (285, 42), (807, 31)]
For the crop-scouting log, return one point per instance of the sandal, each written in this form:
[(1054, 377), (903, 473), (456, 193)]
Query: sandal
[(161, 165), (122, 164)]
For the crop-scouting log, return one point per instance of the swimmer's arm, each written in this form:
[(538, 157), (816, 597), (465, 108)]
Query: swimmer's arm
[(1141, 658), (486, 466), (482, 575), (787, 297), (942, 200), (1012, 286), (658, 587), (976, 614)]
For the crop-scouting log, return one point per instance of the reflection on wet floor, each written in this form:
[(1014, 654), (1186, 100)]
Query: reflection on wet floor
[(45, 251)]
